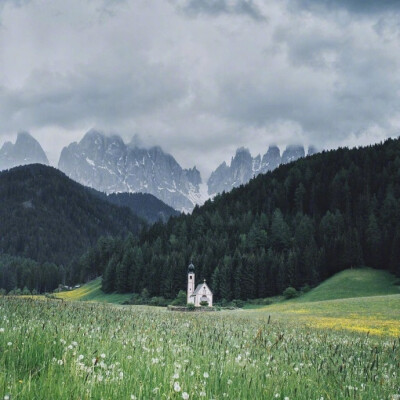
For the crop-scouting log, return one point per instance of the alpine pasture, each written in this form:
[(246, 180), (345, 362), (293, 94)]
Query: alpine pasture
[(58, 349)]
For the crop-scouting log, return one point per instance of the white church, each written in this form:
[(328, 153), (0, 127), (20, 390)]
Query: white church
[(201, 293)]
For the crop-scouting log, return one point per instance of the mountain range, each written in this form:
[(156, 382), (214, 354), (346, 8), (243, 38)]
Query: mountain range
[(109, 165), (243, 166)]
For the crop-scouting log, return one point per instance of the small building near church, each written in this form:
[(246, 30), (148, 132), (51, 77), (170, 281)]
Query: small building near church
[(202, 292)]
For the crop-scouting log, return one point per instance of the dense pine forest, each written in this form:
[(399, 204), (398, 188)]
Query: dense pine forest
[(294, 226), (20, 275), (47, 217)]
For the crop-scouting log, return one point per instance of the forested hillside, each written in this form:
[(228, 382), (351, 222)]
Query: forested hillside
[(47, 217), (144, 205), (294, 226)]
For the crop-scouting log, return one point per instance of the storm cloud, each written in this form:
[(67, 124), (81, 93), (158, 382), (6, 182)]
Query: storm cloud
[(200, 77)]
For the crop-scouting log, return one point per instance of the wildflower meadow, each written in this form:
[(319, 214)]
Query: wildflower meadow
[(53, 349)]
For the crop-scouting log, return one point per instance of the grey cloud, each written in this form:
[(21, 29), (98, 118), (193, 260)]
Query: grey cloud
[(354, 6), (198, 87), (92, 96), (356, 91), (220, 7)]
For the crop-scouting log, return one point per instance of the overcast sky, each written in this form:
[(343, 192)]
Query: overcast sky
[(201, 77)]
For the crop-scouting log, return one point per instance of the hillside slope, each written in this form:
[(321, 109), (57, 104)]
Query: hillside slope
[(144, 205), (358, 300), (46, 216), (91, 291), (359, 282)]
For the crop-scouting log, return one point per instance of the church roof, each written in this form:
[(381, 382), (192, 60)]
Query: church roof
[(199, 286)]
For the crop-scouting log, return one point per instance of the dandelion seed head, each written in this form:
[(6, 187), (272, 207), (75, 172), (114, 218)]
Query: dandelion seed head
[(177, 387)]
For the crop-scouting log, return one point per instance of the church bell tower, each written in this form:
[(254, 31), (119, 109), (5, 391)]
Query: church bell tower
[(190, 288)]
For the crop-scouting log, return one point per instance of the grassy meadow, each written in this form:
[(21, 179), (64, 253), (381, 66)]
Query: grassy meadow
[(357, 300), (92, 292), (57, 349)]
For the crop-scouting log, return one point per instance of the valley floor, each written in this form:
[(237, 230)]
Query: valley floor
[(52, 349), (323, 345)]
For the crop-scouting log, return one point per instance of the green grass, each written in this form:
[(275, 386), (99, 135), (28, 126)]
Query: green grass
[(361, 282), (356, 300), (334, 348), (376, 315), (91, 291), (78, 350)]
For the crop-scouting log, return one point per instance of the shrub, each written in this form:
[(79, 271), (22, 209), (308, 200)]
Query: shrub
[(190, 306), (145, 296), (180, 299), (290, 293), (26, 291), (238, 303), (204, 303), (158, 301), (135, 299), (266, 302), (223, 303)]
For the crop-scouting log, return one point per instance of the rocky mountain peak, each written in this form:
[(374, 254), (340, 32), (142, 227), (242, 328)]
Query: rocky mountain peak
[(243, 167), (292, 153), (26, 150)]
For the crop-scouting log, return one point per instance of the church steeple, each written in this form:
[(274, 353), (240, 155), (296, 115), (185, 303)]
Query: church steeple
[(190, 287)]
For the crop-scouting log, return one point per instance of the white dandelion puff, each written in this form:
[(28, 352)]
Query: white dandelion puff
[(177, 387)]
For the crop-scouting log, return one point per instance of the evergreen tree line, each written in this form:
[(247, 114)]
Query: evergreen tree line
[(23, 273), (294, 226)]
